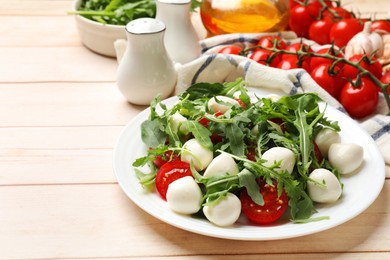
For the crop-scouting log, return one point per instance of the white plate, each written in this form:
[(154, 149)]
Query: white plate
[(360, 189)]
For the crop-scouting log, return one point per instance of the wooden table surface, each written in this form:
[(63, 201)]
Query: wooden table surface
[(60, 116)]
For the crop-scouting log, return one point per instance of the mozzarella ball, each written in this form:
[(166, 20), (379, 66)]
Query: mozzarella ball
[(226, 212), (325, 138), (276, 154), (221, 165), (345, 157), (329, 192), (184, 196), (196, 153), (175, 120), (214, 106), (273, 97)]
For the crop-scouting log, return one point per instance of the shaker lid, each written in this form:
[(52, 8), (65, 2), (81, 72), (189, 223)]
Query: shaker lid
[(145, 26)]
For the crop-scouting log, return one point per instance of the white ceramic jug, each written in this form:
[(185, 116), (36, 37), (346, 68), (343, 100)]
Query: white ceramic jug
[(145, 69), (181, 39)]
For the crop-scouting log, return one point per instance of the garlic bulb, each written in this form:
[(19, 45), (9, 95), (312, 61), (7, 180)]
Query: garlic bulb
[(365, 42)]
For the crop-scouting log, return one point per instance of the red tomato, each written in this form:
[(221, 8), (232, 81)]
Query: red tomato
[(337, 13), (300, 19), (317, 153), (386, 80), (293, 63), (383, 25), (231, 49), (168, 156), (342, 31), (170, 172), (373, 66), (270, 41), (327, 79), (205, 122), (273, 207), (262, 56), (295, 47), (315, 61), (319, 31), (359, 101)]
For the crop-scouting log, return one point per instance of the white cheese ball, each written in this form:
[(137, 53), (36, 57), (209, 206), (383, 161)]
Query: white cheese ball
[(226, 212), (330, 192), (184, 196), (196, 153), (175, 120), (345, 157), (276, 154), (221, 165), (325, 138), (220, 107)]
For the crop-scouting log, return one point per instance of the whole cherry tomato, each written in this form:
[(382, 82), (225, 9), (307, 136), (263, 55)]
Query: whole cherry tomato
[(231, 49), (360, 100), (327, 78), (342, 31), (337, 13), (263, 57), (332, 51), (273, 208), (269, 42), (292, 62), (383, 25), (386, 80), (295, 47), (319, 31), (170, 172), (300, 20), (372, 66)]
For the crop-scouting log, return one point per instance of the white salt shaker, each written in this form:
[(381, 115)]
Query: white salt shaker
[(181, 39), (145, 70)]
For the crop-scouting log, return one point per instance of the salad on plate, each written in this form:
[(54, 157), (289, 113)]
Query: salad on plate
[(220, 153)]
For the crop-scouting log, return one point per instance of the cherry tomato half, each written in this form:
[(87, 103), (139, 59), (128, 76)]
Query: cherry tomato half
[(162, 159), (273, 207), (359, 101), (170, 172)]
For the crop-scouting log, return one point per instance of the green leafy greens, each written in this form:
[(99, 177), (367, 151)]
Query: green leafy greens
[(256, 125)]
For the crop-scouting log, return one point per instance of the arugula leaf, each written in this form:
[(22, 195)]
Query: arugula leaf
[(248, 180), (201, 134), (235, 136), (151, 133)]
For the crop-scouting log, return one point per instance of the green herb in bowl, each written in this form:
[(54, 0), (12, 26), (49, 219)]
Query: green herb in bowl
[(116, 12)]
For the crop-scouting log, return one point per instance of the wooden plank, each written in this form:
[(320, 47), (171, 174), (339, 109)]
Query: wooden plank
[(35, 7), (99, 221), (37, 31), (55, 64), (64, 104), (29, 166)]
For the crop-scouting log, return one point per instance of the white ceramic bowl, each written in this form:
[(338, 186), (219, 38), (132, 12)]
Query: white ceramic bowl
[(96, 36)]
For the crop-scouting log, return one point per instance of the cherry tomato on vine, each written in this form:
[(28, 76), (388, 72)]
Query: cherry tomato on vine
[(263, 57), (295, 47), (373, 66), (386, 80), (327, 78), (360, 100), (319, 31), (343, 30), (300, 19), (231, 49), (269, 41), (293, 63), (315, 61), (170, 172), (337, 13), (383, 25), (273, 207)]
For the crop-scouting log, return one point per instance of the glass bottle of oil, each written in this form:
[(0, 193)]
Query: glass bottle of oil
[(244, 16)]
